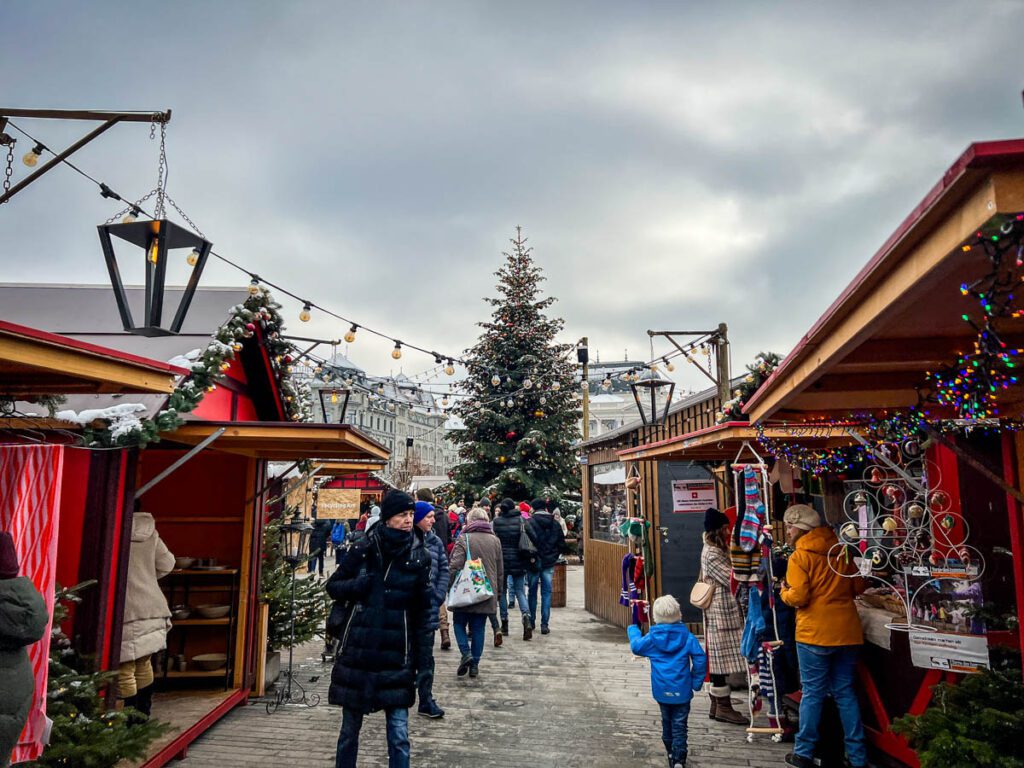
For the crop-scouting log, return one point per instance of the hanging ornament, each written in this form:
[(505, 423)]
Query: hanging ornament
[(889, 524), (510, 435), (495, 380), (850, 532), (502, 459), (555, 385), (538, 414), (915, 511), (543, 400), (947, 521), (527, 383), (509, 403)]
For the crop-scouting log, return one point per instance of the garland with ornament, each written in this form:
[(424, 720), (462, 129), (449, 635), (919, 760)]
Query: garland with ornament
[(123, 427), (757, 374), (85, 734)]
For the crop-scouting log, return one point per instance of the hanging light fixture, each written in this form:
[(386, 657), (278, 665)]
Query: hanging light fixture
[(396, 353), (495, 380), (646, 391), (295, 540), (155, 238), (350, 335), (305, 314), (334, 395), (450, 367), (606, 384), (31, 158), (668, 365)]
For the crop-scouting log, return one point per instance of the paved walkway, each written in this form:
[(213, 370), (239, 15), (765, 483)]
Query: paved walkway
[(575, 698)]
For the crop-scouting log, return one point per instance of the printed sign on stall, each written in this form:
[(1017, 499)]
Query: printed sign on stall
[(337, 503), (952, 653), (693, 495)]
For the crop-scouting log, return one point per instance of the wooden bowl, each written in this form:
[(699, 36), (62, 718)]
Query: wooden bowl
[(213, 611), (184, 563), (210, 662)]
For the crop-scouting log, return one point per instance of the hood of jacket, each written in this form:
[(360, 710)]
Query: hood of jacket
[(478, 526), (669, 638), (817, 540), (143, 526)]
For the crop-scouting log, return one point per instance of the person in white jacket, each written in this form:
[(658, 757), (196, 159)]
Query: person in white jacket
[(147, 617)]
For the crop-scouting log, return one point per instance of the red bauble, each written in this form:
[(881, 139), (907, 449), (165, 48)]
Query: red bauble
[(510, 436), (250, 327)]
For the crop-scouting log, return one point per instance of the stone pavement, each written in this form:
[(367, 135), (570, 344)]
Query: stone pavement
[(574, 698)]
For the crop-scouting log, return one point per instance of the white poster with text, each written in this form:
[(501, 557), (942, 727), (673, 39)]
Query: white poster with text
[(693, 495)]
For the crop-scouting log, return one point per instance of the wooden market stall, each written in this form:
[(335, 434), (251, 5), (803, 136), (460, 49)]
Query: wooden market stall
[(911, 313)]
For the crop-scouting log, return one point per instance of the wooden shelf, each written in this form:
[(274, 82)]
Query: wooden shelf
[(201, 622), (195, 572), (198, 673), (190, 519)]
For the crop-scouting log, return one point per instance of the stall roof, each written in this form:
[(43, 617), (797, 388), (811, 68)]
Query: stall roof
[(282, 441), (35, 362), (353, 467), (724, 441), (901, 315)]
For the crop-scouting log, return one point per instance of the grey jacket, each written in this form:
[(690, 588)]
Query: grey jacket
[(483, 545)]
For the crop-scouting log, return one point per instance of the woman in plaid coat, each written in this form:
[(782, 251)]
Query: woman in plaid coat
[(723, 623)]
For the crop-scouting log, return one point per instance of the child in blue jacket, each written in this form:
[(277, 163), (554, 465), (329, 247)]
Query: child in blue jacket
[(678, 667)]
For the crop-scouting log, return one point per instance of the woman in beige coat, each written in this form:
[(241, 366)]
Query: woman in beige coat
[(470, 622), (147, 617)]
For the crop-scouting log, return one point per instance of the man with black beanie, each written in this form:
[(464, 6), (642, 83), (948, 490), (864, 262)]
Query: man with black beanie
[(546, 535)]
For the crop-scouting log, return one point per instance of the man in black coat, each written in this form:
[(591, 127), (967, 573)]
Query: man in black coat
[(383, 588), (318, 545), (508, 527), (547, 536)]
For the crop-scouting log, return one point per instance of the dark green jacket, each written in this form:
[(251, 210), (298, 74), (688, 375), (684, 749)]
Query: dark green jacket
[(23, 621)]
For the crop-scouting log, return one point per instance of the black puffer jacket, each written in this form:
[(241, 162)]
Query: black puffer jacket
[(386, 628), (507, 527), (547, 536)]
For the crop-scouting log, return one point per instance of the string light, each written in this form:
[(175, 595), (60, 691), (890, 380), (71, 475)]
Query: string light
[(193, 258), (31, 158), (254, 286), (350, 334), (450, 367), (396, 353), (304, 315)]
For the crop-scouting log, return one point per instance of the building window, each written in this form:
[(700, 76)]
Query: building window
[(607, 501)]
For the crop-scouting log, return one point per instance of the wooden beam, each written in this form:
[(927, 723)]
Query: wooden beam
[(88, 114), (870, 305)]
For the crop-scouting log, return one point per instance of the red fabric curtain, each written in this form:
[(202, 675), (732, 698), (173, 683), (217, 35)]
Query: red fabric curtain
[(30, 486)]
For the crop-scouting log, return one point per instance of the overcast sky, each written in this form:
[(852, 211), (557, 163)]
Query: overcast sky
[(675, 165)]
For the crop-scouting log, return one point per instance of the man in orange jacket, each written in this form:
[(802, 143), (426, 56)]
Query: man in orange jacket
[(821, 584)]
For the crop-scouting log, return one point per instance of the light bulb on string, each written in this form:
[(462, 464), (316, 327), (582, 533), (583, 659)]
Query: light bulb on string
[(350, 335), (254, 287), (193, 258), (444, 401), (669, 366), (509, 403), (305, 314), (31, 158), (606, 384), (396, 353), (450, 367)]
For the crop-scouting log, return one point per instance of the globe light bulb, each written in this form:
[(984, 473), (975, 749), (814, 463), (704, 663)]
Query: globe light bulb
[(31, 158), (304, 315), (396, 353), (606, 384), (254, 287), (444, 401), (351, 335), (495, 380), (527, 383), (669, 366), (391, 407), (509, 403), (128, 218), (450, 367), (193, 258), (586, 385)]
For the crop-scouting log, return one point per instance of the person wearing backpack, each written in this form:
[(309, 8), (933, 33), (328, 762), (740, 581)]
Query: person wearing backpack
[(509, 527), (547, 537)]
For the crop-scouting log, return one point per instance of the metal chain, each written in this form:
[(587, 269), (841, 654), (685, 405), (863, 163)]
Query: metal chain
[(9, 170), (130, 208), (161, 174), (185, 217)]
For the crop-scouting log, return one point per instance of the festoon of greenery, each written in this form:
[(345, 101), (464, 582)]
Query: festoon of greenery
[(258, 311), (85, 734), (311, 601), (757, 373), (524, 450)]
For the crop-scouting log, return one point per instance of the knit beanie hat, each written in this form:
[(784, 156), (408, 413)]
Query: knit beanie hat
[(540, 505), (524, 507), (802, 516), (422, 509), (713, 520), (8, 556), (507, 505), (395, 503)]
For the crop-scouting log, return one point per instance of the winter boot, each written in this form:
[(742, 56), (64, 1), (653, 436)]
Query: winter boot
[(498, 639), (527, 628), (714, 707), (474, 669), (446, 641), (504, 626), (430, 709), (724, 712), (144, 700)]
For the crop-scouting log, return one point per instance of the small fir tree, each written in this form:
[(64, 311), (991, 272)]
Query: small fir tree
[(521, 413), (85, 734), (311, 601)]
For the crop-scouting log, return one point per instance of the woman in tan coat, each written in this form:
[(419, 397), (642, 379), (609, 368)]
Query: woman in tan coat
[(723, 623), (470, 622), (147, 617)]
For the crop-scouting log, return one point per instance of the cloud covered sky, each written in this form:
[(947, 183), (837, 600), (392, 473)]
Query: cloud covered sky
[(675, 165)]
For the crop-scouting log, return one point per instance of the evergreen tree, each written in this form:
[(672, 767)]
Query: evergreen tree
[(521, 413), (311, 601), (85, 734)]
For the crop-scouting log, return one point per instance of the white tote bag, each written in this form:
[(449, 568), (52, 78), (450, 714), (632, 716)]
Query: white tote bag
[(471, 585)]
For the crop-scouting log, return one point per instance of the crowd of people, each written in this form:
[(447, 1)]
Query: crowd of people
[(391, 588)]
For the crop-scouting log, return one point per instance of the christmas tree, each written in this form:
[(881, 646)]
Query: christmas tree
[(311, 601), (521, 410), (85, 734)]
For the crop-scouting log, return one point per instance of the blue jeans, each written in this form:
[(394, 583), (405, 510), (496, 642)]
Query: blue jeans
[(470, 627), (542, 577), (398, 738), (673, 730), (518, 591), (828, 670)]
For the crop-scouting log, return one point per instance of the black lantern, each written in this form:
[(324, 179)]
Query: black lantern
[(646, 391), (295, 541), (334, 396), (156, 238)]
